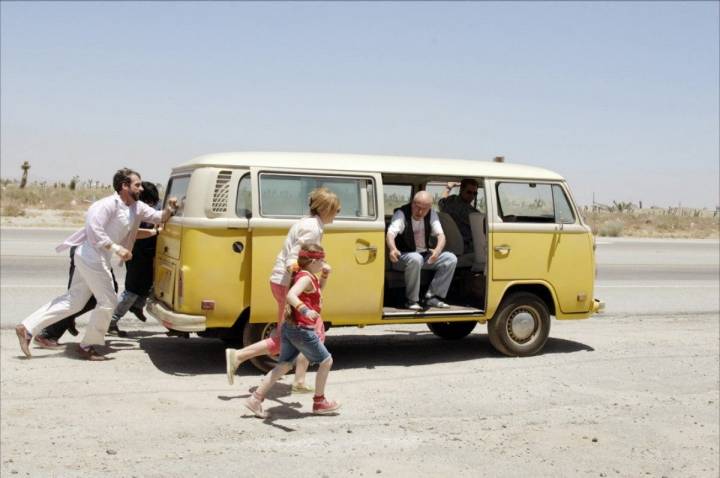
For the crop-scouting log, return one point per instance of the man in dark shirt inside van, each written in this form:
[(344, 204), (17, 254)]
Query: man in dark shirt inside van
[(459, 207), (408, 240)]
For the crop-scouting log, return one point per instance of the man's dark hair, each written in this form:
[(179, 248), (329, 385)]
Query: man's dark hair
[(123, 177), (467, 182), (150, 195)]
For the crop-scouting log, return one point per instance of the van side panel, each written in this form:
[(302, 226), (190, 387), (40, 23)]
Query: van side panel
[(354, 290), (214, 271), (563, 259), (266, 242)]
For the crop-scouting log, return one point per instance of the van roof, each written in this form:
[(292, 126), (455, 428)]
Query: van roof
[(371, 163)]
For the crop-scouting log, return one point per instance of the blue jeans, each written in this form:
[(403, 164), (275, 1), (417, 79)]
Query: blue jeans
[(128, 300), (299, 339)]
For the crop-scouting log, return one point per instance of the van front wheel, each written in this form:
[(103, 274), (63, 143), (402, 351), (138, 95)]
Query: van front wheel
[(253, 333), (521, 325), (451, 330)]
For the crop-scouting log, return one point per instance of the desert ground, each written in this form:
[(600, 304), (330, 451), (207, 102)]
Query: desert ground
[(631, 392)]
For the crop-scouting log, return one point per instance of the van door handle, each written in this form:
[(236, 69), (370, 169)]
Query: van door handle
[(503, 249), (368, 248)]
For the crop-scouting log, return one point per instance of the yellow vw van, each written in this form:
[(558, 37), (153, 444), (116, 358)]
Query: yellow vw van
[(532, 255)]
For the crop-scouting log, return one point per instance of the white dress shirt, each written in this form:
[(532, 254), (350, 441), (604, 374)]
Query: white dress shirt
[(109, 221)]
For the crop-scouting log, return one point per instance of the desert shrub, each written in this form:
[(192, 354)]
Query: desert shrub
[(611, 228), (11, 209)]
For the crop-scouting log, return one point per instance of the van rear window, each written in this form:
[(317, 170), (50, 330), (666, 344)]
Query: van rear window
[(177, 187), (286, 195)]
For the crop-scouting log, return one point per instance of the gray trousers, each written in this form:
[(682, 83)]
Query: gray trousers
[(413, 262)]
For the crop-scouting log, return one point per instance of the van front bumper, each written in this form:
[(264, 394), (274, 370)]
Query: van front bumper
[(173, 320)]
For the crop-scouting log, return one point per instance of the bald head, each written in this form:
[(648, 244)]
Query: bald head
[(421, 205)]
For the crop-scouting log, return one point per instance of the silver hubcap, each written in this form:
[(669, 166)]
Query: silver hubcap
[(522, 325)]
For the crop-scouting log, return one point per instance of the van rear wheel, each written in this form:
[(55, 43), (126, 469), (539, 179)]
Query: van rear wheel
[(451, 330), (253, 333), (521, 325)]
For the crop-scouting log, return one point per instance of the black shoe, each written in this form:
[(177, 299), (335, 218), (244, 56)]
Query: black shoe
[(115, 330), (139, 314), (71, 328), (177, 333)]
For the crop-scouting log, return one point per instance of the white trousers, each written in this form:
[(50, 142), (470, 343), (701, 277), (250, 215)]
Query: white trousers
[(88, 279)]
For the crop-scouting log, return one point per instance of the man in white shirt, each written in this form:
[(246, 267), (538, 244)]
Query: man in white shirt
[(408, 239), (110, 228)]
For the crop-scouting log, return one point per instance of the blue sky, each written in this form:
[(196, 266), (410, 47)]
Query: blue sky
[(621, 98)]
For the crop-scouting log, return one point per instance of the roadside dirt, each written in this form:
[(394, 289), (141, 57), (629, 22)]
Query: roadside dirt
[(610, 396)]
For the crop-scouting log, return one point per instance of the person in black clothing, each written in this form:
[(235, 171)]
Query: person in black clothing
[(139, 277)]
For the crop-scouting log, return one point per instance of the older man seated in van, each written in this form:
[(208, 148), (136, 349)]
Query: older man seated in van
[(408, 240)]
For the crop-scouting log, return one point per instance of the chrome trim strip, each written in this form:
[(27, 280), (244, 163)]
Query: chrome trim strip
[(423, 315)]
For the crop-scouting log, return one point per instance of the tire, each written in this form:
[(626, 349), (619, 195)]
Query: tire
[(451, 330), (521, 325), (255, 333)]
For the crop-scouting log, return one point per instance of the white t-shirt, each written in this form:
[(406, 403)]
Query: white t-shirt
[(308, 230), (397, 226)]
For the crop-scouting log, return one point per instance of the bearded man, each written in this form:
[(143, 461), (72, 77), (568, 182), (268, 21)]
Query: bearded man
[(111, 225)]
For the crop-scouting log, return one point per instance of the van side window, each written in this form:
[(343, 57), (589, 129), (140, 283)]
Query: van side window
[(177, 187), (563, 211), (286, 195), (243, 204), (525, 202), (396, 195)]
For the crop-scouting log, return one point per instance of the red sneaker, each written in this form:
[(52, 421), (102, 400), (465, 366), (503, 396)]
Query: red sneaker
[(321, 406)]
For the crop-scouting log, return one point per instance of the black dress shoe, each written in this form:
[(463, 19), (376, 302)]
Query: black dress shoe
[(113, 329), (72, 329), (139, 314)]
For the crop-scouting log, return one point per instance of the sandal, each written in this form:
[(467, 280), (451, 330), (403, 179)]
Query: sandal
[(302, 388), (230, 365)]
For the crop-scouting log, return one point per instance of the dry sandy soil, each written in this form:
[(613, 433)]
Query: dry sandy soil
[(611, 396)]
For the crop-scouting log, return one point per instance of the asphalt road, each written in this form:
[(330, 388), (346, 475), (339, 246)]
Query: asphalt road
[(635, 276)]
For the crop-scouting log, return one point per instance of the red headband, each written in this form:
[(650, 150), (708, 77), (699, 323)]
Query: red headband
[(312, 254)]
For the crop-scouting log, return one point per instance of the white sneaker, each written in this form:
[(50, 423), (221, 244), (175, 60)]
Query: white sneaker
[(436, 302), (413, 306)]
